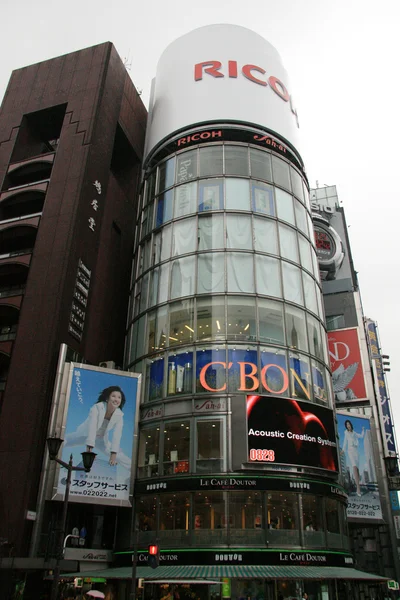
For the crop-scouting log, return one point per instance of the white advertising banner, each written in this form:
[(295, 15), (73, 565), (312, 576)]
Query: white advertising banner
[(220, 73)]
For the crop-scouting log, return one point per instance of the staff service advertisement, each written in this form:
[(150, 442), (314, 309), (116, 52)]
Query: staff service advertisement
[(101, 416), (358, 467), (347, 368), (287, 431)]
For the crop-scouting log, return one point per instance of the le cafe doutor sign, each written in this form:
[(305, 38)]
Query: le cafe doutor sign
[(250, 379)]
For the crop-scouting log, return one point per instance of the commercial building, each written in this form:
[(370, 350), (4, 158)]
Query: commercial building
[(71, 142), (361, 395)]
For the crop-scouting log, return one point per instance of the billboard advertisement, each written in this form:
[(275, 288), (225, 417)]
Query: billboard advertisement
[(220, 73), (346, 364), (332, 246), (358, 467), (383, 394), (285, 431), (101, 414)]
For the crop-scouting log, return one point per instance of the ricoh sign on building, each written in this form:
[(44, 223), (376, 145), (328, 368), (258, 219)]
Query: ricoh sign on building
[(237, 76)]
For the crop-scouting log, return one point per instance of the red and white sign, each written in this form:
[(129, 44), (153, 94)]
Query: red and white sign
[(220, 73), (347, 369)]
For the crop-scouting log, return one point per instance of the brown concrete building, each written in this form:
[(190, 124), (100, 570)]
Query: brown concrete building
[(71, 139)]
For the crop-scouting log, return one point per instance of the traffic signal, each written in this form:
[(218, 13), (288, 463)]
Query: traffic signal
[(154, 556)]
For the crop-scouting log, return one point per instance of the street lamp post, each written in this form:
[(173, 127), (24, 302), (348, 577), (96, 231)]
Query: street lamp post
[(53, 447)]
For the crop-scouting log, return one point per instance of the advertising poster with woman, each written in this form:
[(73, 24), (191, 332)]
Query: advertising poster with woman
[(358, 467), (101, 415)]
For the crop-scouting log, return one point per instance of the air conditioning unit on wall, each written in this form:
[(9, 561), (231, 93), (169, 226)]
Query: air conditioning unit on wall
[(107, 364)]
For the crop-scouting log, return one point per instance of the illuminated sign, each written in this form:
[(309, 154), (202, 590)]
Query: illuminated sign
[(347, 369), (286, 431)]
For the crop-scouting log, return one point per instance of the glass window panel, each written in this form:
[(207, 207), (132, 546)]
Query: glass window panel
[(306, 197), (236, 160), (280, 170), (270, 320), (314, 335), (166, 174), (150, 187), (211, 232), (154, 282), (147, 513), (246, 512), (183, 274), (265, 238), (332, 508), (209, 451), (241, 318), (156, 257), (148, 455), (283, 521), (297, 184), (262, 198), (180, 373), (210, 512), (268, 276), (184, 237), (305, 253), (301, 217), (133, 342), (312, 521), (211, 273), (166, 242), (310, 288), (320, 387), (300, 377), (237, 194), (210, 377), (185, 199), (292, 288), (157, 329), (154, 379), (176, 447), (140, 337), (260, 163), (150, 216), (165, 205), (140, 261), (211, 161), (211, 194), (310, 229), (186, 166), (143, 296), (164, 281), (288, 243), (273, 369), (174, 513), (315, 263), (238, 232), (335, 322), (296, 331), (211, 322), (181, 322), (284, 206), (146, 255), (240, 272)]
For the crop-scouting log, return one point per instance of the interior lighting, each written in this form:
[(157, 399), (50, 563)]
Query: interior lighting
[(247, 326), (190, 329), (218, 325), (172, 338)]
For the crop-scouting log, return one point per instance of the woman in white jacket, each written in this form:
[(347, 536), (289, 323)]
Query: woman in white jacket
[(105, 419)]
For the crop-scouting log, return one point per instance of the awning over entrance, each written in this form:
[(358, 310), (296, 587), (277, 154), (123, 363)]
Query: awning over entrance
[(242, 571)]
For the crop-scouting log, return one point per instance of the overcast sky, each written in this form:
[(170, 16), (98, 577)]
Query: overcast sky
[(343, 62)]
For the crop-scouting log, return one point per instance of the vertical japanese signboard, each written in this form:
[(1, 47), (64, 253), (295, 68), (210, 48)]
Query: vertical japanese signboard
[(101, 415), (382, 394)]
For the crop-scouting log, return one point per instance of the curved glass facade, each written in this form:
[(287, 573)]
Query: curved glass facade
[(226, 300)]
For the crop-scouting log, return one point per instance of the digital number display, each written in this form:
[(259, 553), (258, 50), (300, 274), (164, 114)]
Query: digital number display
[(262, 454), (323, 241)]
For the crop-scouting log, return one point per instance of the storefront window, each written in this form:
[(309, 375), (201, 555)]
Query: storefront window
[(270, 321), (296, 330), (241, 318), (211, 161), (174, 512), (268, 276), (211, 232), (211, 273), (210, 517), (147, 513), (240, 272), (312, 522), (176, 447), (154, 379), (260, 163), (184, 237), (181, 322), (185, 199), (148, 457), (211, 323), (283, 520), (332, 516), (180, 373), (265, 237), (236, 160), (245, 511), (209, 446)]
